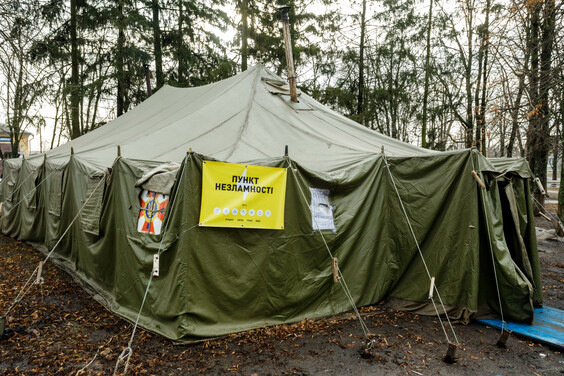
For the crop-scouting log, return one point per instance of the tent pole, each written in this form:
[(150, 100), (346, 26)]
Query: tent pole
[(289, 55)]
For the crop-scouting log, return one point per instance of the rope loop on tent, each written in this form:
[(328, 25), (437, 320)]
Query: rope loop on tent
[(341, 276), (27, 286), (484, 198), (127, 352), (423, 259)]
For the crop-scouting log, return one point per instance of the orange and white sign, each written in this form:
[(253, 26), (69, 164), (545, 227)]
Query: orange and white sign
[(151, 215)]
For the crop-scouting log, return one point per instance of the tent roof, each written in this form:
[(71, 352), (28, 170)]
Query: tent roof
[(240, 119)]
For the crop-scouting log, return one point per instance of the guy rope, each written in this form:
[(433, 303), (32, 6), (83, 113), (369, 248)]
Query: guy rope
[(451, 351), (28, 284)]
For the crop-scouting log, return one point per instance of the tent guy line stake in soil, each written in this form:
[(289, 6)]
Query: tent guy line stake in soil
[(24, 290), (341, 276)]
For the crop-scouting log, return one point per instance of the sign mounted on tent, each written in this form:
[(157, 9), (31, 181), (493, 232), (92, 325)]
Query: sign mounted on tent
[(247, 196), (151, 215)]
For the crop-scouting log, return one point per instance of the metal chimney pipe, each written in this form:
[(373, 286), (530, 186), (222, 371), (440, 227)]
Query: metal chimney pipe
[(148, 80), (288, 48)]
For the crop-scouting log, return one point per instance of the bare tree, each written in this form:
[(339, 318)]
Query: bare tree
[(22, 85)]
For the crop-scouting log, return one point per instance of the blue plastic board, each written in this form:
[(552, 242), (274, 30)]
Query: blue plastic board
[(547, 326)]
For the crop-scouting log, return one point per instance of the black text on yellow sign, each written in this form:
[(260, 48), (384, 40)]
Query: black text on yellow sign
[(243, 196)]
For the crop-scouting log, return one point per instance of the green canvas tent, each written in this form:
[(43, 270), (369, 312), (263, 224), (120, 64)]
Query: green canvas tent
[(215, 281)]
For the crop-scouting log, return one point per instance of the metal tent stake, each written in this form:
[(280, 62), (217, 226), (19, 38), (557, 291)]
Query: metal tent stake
[(369, 345), (502, 341), (450, 357)]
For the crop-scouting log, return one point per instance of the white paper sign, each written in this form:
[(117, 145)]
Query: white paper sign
[(321, 210)]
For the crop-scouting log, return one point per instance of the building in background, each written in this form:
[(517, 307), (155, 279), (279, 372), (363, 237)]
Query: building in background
[(6, 145), (5, 142)]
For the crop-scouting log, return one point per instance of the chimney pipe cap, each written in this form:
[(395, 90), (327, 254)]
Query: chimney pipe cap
[(283, 12)]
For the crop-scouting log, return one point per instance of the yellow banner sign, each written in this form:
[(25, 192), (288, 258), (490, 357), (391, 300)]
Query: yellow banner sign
[(244, 196)]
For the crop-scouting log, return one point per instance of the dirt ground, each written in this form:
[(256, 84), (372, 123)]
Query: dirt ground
[(58, 329)]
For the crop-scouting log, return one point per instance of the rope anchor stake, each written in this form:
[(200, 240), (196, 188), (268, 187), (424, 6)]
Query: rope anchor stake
[(369, 345), (502, 341), (450, 357)]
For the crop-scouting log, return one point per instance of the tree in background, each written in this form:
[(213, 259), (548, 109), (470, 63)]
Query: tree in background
[(23, 81), (540, 79), (193, 54), (449, 76)]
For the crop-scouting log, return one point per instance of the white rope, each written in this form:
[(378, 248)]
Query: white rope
[(80, 371), (422, 257), (484, 197), (125, 355), (23, 291), (541, 206), (341, 276), (105, 344), (26, 288)]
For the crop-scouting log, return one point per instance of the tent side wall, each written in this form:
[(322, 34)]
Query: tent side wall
[(32, 204)]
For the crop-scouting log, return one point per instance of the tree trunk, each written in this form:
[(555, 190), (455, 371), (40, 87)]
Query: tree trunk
[(119, 60), (157, 44), (533, 134), (556, 151), (16, 124), (468, 79), (244, 34), (539, 134), (57, 107), (476, 109), (486, 41), (360, 98), (561, 188), (427, 75), (74, 88), (515, 115), (502, 133), (179, 47)]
